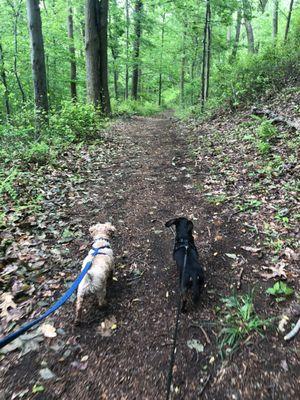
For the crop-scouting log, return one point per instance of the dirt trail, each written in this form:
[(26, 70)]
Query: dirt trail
[(148, 182)]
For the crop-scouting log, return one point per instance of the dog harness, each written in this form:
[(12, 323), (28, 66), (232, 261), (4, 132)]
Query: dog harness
[(24, 328), (96, 249)]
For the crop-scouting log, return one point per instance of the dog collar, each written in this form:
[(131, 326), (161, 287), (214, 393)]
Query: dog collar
[(101, 238), (180, 243)]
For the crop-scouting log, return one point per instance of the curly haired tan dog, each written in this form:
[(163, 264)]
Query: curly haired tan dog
[(95, 280)]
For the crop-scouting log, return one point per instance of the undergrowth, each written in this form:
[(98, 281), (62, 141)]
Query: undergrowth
[(239, 322)]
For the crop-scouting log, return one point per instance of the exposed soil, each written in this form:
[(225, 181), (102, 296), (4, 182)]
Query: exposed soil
[(147, 182)]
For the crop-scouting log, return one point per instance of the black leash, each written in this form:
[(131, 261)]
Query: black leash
[(172, 357)]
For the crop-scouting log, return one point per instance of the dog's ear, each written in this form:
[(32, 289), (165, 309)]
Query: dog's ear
[(190, 226), (109, 227), (93, 229), (171, 222)]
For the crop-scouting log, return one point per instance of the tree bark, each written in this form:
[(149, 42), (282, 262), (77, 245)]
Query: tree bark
[(275, 19), (206, 55), (249, 30), (161, 60), (237, 35), (288, 20), (114, 47), (136, 47), (105, 99), (127, 51), (16, 10), (37, 55), (96, 54), (250, 36), (4, 81), (73, 74), (182, 71), (92, 48)]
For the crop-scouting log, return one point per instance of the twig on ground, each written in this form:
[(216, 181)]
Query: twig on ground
[(205, 334), (293, 332), (209, 233), (233, 214), (204, 385), (239, 283)]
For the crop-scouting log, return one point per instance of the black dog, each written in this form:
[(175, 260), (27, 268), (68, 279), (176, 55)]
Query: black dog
[(187, 260)]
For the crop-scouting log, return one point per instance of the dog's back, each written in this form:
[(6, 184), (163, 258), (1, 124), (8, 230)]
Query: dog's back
[(187, 259)]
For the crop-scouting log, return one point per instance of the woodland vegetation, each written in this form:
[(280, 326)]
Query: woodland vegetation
[(95, 59), (157, 53), (229, 71)]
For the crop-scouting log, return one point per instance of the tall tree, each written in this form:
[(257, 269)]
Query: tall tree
[(127, 50), (73, 74), (4, 81), (237, 35), (206, 55), (37, 55), (247, 9), (138, 9), (161, 59), (275, 18), (16, 11), (182, 68), (96, 14), (287, 28), (105, 99), (116, 31)]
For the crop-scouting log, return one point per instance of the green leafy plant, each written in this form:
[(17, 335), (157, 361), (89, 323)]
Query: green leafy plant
[(249, 205), (239, 321), (280, 290), (266, 130), (40, 153), (263, 147), (217, 199)]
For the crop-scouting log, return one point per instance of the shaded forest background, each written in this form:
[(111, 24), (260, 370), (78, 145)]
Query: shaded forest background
[(244, 47), (95, 59)]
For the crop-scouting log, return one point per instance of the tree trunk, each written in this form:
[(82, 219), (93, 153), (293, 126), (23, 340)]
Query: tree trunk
[(105, 99), (96, 54), (182, 72), (249, 30), (237, 35), (37, 55), (206, 55), (4, 81), (16, 10), (288, 21), (127, 51), (250, 36), (114, 52), (92, 48), (161, 60), (275, 19), (73, 75), (136, 47)]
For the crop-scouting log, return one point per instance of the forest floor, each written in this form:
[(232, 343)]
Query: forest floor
[(144, 172)]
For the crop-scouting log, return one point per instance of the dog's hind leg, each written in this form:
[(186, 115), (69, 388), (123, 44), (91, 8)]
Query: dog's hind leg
[(183, 302), (102, 297), (78, 313), (80, 295)]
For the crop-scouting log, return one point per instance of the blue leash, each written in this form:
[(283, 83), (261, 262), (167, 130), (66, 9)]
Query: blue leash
[(12, 336)]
